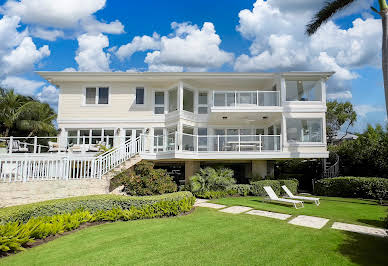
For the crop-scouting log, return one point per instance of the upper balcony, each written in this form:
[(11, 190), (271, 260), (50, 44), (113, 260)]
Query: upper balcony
[(245, 101)]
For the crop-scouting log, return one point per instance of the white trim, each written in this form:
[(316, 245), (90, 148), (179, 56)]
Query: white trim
[(97, 88), (144, 96)]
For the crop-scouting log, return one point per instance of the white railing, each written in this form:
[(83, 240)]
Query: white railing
[(22, 167), (217, 143), (238, 99)]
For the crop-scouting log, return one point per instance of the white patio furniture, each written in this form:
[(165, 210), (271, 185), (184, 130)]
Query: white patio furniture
[(55, 147), (292, 196), (16, 146), (96, 147), (273, 197)]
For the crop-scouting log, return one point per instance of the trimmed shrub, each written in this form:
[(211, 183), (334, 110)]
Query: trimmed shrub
[(210, 179), (258, 190), (241, 189), (145, 180), (215, 194), (88, 203), (353, 187), (15, 235), (291, 184)]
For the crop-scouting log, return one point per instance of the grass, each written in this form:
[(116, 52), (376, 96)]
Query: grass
[(206, 237), (363, 212)]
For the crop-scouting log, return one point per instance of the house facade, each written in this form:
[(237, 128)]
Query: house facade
[(190, 120)]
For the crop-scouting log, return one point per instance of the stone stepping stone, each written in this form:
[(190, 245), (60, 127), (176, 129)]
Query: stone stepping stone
[(360, 229), (198, 201), (236, 209), (275, 215), (210, 205), (309, 221)]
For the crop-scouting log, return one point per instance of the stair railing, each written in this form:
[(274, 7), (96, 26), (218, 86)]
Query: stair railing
[(333, 170)]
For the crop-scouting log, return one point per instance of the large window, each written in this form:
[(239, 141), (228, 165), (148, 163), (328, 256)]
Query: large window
[(172, 100), (304, 130), (139, 95), (159, 102), (91, 136), (202, 103), (158, 139), (303, 90), (95, 95), (202, 139), (188, 100)]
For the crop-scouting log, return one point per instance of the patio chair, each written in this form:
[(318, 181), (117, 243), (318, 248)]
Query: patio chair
[(55, 147), (17, 146), (292, 196), (96, 147), (273, 197)]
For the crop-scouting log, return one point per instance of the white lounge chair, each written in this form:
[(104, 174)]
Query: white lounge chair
[(55, 147), (16, 146), (292, 196), (273, 197)]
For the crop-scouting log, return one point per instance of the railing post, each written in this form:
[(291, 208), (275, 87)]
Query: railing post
[(260, 142), (66, 168), (10, 144), (35, 144), (257, 97), (239, 143), (218, 142)]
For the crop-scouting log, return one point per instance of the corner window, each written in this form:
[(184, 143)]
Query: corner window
[(139, 95), (159, 102), (303, 90), (304, 130), (202, 103), (95, 95), (173, 100), (188, 100)]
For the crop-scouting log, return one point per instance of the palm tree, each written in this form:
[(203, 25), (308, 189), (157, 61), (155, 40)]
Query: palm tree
[(11, 106), (333, 7)]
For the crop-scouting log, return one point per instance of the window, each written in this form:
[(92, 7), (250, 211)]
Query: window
[(84, 136), (224, 99), (96, 136), (202, 103), (158, 139), (188, 100), (97, 95), (139, 95), (202, 139), (173, 100), (72, 136), (303, 90), (304, 130), (159, 102)]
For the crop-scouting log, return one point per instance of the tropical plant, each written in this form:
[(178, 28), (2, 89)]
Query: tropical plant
[(338, 115), (333, 7), (210, 179)]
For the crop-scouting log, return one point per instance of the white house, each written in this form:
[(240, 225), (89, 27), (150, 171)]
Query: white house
[(190, 120)]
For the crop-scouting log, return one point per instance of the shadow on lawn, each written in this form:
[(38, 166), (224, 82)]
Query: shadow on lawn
[(365, 201), (365, 249), (376, 223)]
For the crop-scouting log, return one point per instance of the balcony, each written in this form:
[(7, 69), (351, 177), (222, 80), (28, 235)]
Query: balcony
[(245, 100)]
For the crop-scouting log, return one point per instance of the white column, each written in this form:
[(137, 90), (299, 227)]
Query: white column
[(196, 102), (180, 131), (180, 96), (284, 132), (166, 104), (283, 92), (323, 91)]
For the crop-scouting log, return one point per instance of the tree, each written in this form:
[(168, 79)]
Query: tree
[(333, 7), (338, 115)]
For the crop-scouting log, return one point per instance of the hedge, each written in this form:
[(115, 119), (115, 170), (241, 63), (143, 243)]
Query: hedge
[(241, 189), (15, 235), (291, 184), (258, 190), (353, 187), (88, 203)]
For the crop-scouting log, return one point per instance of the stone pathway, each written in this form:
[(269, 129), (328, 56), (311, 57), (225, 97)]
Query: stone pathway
[(274, 215), (301, 220), (309, 221), (360, 229)]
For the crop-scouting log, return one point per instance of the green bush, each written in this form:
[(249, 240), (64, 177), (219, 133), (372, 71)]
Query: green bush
[(291, 184), (89, 203), (216, 194), (258, 190), (241, 189), (15, 235), (353, 187), (145, 180), (210, 179)]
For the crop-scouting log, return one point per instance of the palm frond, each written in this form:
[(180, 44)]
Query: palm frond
[(329, 9)]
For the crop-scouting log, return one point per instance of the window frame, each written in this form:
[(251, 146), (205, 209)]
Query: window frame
[(303, 101), (159, 105), (97, 97), (144, 95), (199, 105), (298, 143)]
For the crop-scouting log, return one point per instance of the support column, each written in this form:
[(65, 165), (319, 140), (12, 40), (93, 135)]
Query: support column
[(191, 168), (259, 168)]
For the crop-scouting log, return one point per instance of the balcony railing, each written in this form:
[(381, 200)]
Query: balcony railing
[(217, 143), (238, 99)]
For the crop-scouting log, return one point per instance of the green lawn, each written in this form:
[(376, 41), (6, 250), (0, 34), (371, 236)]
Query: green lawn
[(206, 237), (364, 212)]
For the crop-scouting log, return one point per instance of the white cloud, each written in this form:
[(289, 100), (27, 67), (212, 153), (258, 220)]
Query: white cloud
[(164, 68), (277, 31), (91, 25), (23, 57), (90, 54), (21, 85), (364, 109), (138, 43), (69, 69), (49, 13), (9, 35), (189, 47), (49, 94), (342, 95), (45, 34)]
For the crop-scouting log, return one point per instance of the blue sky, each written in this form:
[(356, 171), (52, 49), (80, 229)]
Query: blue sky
[(218, 35)]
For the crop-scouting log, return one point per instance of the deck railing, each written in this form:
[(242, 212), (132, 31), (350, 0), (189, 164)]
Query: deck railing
[(238, 99)]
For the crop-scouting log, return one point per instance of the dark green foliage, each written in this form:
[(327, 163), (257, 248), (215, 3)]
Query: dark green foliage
[(210, 179), (365, 156), (216, 194), (15, 235), (88, 203), (338, 115), (258, 190), (145, 180), (353, 187), (241, 189), (291, 184)]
